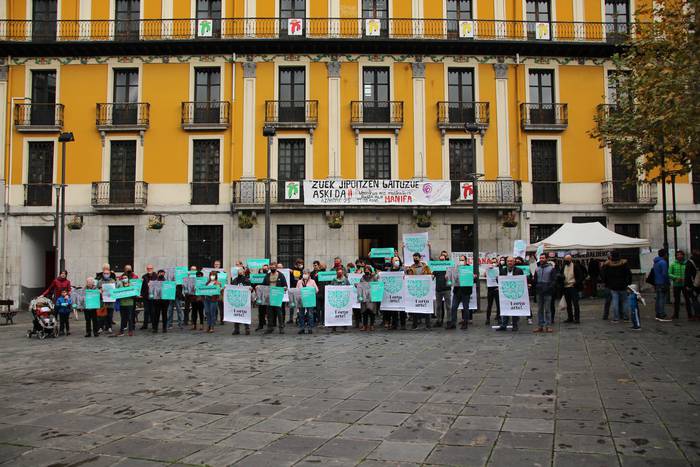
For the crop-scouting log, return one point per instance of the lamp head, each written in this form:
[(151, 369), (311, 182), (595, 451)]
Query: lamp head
[(269, 131), (66, 137)]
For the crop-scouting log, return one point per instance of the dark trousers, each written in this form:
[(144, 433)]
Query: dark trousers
[(147, 312), (237, 327), (417, 317), (677, 291), (221, 312), (90, 322), (367, 311), (63, 322), (504, 321), (572, 301), (492, 297), (197, 310), (128, 318), (461, 295), (275, 314), (608, 302), (262, 311), (398, 317), (160, 309), (106, 322)]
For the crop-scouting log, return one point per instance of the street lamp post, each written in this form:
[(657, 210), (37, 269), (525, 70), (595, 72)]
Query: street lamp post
[(269, 132), (56, 224), (472, 129), (63, 138)]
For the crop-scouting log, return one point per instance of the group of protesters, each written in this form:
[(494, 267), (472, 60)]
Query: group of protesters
[(552, 282)]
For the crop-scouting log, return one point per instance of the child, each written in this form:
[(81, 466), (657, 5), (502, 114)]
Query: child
[(63, 309), (634, 298)]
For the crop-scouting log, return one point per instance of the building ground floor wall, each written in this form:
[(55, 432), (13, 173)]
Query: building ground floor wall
[(29, 256)]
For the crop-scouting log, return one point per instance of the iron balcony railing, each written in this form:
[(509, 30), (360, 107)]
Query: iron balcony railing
[(38, 194), (491, 192), (37, 116), (204, 193), (455, 115), (292, 114), (620, 194), (206, 114), (128, 114), (379, 114), (545, 192), (120, 195), (312, 28), (281, 191), (544, 117)]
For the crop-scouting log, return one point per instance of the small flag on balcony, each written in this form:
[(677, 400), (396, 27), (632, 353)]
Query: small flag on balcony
[(292, 190), (373, 27), (542, 31), (205, 28), (295, 27), (466, 191), (466, 29)]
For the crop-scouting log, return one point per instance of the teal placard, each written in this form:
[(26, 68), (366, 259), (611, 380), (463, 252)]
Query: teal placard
[(136, 283), (200, 281), (180, 273), (222, 277), (492, 273), (257, 263), (257, 279), (167, 290), (92, 299), (525, 269), (439, 266), (276, 296), (376, 291), (308, 297), (125, 292), (207, 290), (381, 253), (326, 276), (466, 276), (191, 273)]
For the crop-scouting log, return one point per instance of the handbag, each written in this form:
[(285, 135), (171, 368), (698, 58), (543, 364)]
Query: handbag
[(651, 279), (101, 312)]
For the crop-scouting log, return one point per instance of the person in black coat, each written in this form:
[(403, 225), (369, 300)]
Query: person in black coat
[(241, 280), (275, 313)]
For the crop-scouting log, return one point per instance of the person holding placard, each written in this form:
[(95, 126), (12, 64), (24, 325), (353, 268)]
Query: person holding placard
[(197, 304), (418, 268), (368, 307), (107, 282), (510, 270), (90, 315), (309, 292), (211, 302), (127, 312), (160, 306), (149, 276), (492, 274), (241, 280), (443, 290), (274, 313), (176, 306), (391, 318), (544, 281), (340, 279), (463, 278)]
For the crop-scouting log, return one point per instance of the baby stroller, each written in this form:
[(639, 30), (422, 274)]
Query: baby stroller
[(44, 322)]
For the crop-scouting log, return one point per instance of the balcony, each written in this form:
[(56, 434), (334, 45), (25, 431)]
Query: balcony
[(204, 193), (544, 117), (623, 196), (119, 196), (455, 115), (281, 192), (133, 116), (292, 114), (38, 117), (206, 115), (376, 115), (38, 194), (545, 192), (493, 193)]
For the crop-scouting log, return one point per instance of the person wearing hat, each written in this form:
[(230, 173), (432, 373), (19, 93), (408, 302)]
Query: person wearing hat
[(634, 298), (419, 268)]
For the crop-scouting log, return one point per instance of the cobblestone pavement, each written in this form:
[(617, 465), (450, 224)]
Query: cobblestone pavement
[(596, 394)]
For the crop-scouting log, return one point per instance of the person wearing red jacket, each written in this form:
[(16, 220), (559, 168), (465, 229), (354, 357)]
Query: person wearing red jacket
[(58, 285)]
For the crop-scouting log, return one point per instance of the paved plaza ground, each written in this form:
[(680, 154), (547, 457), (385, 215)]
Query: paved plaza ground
[(594, 394)]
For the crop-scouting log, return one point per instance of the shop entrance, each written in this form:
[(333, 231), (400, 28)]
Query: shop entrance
[(38, 261), (377, 236)]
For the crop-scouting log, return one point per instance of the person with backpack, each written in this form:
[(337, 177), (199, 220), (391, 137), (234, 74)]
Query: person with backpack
[(692, 283), (676, 271), (661, 282)]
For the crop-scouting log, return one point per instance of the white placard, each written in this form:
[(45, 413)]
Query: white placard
[(466, 191), (287, 273), (237, 304), (354, 278), (513, 296), (295, 27), (373, 27), (393, 290), (338, 301), (492, 277), (415, 243), (205, 28), (107, 293), (542, 31), (466, 29), (519, 247), (419, 294)]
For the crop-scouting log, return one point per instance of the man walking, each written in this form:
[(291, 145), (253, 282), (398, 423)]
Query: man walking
[(661, 284), (676, 272), (573, 275), (544, 280)]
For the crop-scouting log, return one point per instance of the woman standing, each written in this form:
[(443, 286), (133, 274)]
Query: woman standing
[(241, 280), (91, 326), (368, 307), (340, 279), (460, 294), (127, 312), (107, 282), (211, 302), (57, 286), (307, 315)]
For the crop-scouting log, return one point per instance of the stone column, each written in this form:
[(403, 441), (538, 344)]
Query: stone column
[(4, 69), (249, 120), (334, 119), (419, 154), (502, 120)]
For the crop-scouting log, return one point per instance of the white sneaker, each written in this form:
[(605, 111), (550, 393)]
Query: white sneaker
[(529, 321), (109, 330)]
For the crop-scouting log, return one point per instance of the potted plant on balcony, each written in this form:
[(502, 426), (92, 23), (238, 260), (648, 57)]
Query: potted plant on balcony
[(246, 220), (75, 223), (156, 222), (423, 220), (334, 219), (509, 219), (672, 221)]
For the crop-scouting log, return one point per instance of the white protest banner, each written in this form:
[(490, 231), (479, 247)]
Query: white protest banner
[(377, 192), (107, 293), (338, 310), (519, 247), (540, 250), (513, 296), (295, 27), (237, 304), (354, 279), (419, 294), (393, 290), (286, 272), (484, 259), (415, 243)]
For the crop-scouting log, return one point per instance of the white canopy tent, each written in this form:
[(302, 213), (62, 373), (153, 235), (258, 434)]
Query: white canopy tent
[(588, 236)]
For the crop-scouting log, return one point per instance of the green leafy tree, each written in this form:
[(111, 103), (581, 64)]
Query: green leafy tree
[(653, 119)]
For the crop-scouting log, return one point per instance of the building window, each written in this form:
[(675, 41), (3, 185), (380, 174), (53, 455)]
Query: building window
[(120, 246), (43, 97), (536, 11), (127, 16), (375, 95), (44, 16), (462, 237), (210, 9), (207, 92), (586, 219), (205, 244), (122, 172), (539, 232), (457, 10), (376, 159), (292, 94), (460, 95), (290, 243), (377, 9), (623, 190), (545, 181), (39, 173), (630, 254), (462, 164), (205, 171), (126, 96), (291, 166), (617, 17), (291, 9), (541, 93), (694, 237)]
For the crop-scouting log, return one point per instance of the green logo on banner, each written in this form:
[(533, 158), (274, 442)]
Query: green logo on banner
[(236, 298), (415, 244), (418, 288), (513, 290), (338, 298), (392, 285)]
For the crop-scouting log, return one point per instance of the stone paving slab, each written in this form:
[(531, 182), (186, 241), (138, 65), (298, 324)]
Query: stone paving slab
[(594, 394)]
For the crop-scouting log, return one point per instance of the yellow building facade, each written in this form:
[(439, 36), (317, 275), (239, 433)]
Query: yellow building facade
[(167, 101)]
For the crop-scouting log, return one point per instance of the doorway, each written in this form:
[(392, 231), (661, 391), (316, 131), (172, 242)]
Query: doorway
[(377, 236), (38, 262)]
